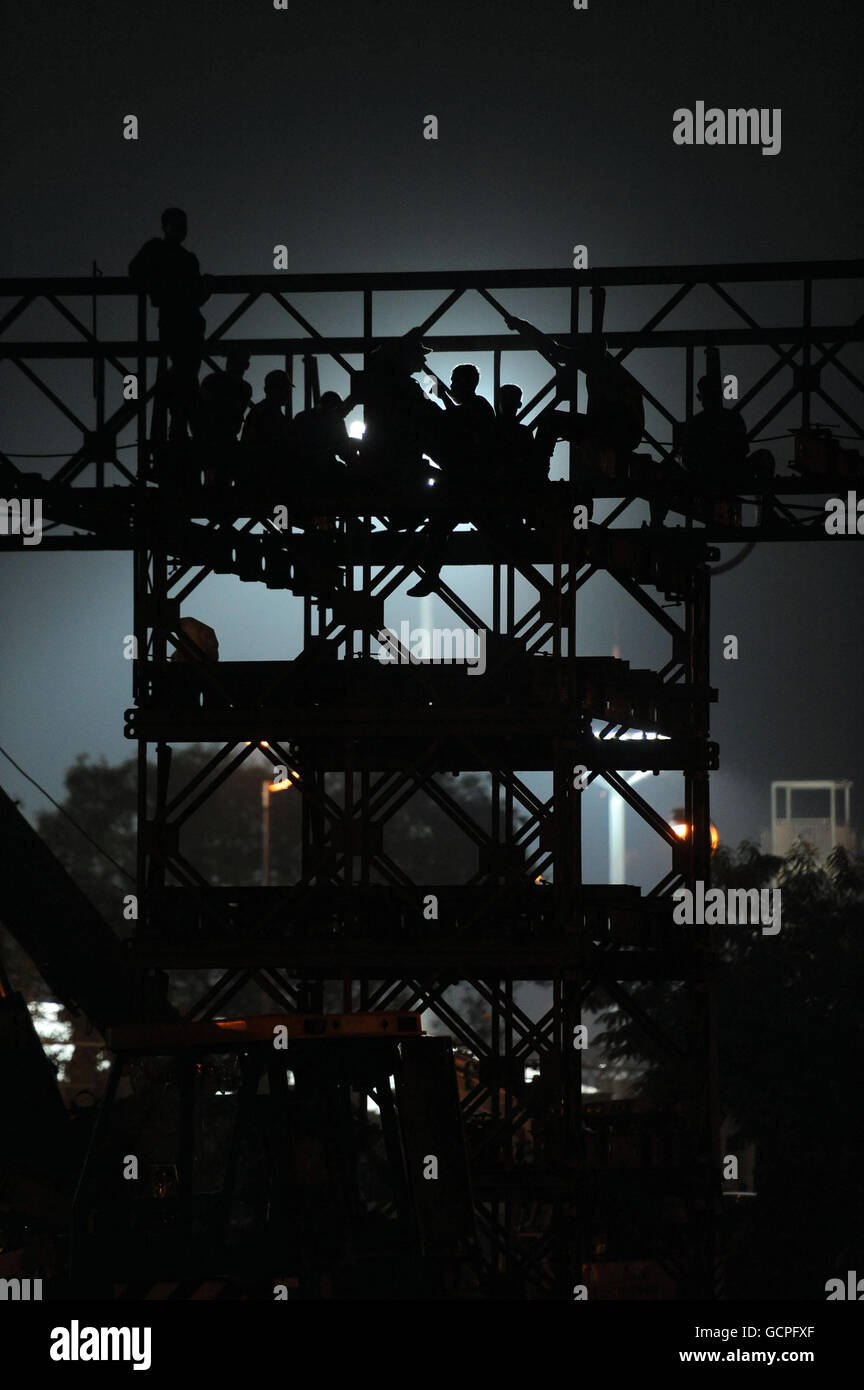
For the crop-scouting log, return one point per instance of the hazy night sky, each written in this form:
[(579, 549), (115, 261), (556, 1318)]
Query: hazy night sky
[(305, 128)]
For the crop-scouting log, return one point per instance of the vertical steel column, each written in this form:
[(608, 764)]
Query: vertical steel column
[(98, 381), (704, 1075), (574, 330), (807, 353), (142, 452)]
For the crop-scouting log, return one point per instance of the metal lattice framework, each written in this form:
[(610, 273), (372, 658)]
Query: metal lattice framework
[(361, 739)]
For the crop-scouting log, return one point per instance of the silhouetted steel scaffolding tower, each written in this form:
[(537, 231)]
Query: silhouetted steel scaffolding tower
[(361, 738)]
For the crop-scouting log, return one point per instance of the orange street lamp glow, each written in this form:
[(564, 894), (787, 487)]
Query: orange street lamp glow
[(682, 829)]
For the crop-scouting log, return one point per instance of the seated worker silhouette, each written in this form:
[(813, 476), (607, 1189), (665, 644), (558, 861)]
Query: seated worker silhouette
[(464, 451), (225, 396), (714, 448), (321, 450), (319, 435), (520, 468), (166, 271), (267, 422), (222, 403), (402, 425), (466, 436), (714, 443), (614, 421)]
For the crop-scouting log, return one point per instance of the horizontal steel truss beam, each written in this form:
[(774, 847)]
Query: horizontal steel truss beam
[(457, 957), (111, 351), (550, 278), (785, 340), (108, 528), (467, 748)]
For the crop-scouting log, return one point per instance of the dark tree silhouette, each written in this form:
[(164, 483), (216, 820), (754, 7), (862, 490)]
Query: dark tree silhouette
[(791, 1033)]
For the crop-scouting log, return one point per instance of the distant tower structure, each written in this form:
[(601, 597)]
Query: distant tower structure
[(816, 812)]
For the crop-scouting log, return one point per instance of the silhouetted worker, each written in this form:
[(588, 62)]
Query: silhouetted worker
[(615, 418), (321, 448), (467, 435), (462, 444), (171, 276), (319, 435), (266, 422), (520, 467), (401, 422), (714, 442), (223, 399)]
